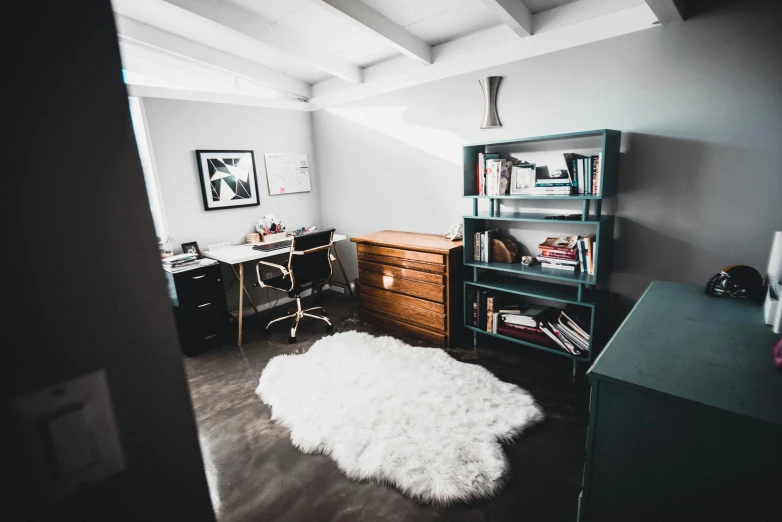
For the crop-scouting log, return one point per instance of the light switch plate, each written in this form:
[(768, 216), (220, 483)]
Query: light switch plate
[(69, 435)]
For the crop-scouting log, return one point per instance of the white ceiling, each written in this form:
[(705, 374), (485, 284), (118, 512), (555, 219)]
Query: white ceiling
[(308, 42)]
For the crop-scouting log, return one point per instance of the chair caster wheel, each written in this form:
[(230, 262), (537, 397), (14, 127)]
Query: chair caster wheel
[(329, 327), (291, 340)]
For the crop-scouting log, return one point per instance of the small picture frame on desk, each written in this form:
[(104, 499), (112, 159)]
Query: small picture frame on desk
[(191, 248)]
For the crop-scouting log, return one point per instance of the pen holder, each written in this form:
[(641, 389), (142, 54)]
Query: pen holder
[(271, 238)]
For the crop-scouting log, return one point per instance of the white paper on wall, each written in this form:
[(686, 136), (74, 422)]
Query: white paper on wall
[(287, 173)]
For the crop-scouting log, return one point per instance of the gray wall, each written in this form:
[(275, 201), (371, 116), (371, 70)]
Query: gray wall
[(700, 104), (178, 128)]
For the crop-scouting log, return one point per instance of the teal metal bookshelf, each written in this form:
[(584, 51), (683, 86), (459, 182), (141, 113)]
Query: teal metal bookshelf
[(535, 282)]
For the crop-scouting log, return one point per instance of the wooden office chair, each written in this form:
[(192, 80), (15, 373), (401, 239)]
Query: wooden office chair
[(309, 266)]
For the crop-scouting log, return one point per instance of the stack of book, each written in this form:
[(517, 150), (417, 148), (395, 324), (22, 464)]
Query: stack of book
[(569, 253), (559, 253), (482, 244), (526, 324), (552, 182), (180, 262), (541, 181), (492, 175), (570, 335), (585, 172)]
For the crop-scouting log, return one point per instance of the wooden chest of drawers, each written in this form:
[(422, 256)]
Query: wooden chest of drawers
[(411, 283)]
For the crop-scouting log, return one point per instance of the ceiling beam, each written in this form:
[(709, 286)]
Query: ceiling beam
[(269, 34), (360, 14), (145, 91), (142, 35), (667, 11), (567, 26), (512, 13)]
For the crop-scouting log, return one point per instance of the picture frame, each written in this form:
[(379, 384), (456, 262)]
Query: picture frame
[(522, 178), (228, 178), (191, 247)]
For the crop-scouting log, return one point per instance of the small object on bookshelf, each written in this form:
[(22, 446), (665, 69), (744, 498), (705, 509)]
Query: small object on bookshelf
[(504, 250), (566, 217), (527, 260), (522, 178)]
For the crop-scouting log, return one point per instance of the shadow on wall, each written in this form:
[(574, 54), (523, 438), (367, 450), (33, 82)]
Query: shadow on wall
[(665, 216)]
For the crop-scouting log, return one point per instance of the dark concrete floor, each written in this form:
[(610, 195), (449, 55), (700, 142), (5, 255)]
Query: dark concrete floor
[(262, 477)]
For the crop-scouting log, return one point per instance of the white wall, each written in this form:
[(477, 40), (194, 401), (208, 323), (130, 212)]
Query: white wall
[(178, 128), (700, 105)]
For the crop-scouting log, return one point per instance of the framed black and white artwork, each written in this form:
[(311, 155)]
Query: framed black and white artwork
[(227, 178)]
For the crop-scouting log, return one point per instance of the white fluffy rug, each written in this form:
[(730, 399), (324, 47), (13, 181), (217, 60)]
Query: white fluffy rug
[(411, 417)]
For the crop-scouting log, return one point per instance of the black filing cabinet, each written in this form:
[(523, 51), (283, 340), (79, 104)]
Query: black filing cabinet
[(199, 307)]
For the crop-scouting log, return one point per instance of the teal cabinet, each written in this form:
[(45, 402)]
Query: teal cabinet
[(685, 413)]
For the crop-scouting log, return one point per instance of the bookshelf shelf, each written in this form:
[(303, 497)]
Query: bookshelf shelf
[(527, 196), (535, 271), (572, 288), (532, 288), (530, 217)]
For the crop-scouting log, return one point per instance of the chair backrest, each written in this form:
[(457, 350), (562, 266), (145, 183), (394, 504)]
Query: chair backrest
[(310, 259)]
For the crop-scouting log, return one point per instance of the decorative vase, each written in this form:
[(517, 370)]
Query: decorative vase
[(490, 86)]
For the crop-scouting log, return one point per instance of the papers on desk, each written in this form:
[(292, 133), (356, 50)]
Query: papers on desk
[(190, 266)]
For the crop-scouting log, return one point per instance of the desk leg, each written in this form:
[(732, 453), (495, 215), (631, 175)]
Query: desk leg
[(241, 301), (246, 293), (342, 268)]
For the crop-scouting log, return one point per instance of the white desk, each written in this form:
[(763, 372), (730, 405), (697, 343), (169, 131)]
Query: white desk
[(240, 254)]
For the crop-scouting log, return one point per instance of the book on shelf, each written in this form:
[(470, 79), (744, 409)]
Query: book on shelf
[(587, 253), (536, 337), (557, 266), (481, 171), (557, 260), (482, 244), (585, 172), (490, 302)]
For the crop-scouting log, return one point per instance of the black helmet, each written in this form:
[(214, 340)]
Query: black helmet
[(740, 281)]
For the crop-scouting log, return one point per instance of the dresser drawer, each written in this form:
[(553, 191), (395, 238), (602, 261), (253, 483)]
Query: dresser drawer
[(405, 300), (401, 262), (400, 285), (408, 314), (199, 285), (406, 273), (437, 338), (403, 254)]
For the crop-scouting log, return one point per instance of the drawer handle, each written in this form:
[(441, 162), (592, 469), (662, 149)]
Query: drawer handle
[(199, 277), (210, 336), (203, 305)]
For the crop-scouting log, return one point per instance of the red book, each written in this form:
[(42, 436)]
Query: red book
[(531, 337), (521, 328), (557, 255)]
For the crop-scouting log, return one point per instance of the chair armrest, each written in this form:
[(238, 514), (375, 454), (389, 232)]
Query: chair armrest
[(281, 268)]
